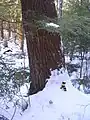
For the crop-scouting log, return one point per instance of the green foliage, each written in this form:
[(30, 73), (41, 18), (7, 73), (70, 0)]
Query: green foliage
[(77, 7), (76, 31), (11, 78), (10, 10), (75, 25)]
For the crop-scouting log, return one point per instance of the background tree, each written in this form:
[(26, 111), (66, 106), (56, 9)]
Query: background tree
[(11, 20), (75, 29)]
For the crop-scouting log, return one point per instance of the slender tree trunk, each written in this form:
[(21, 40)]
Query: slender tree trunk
[(43, 46), (60, 8), (72, 52), (9, 30), (2, 34), (22, 41), (81, 68), (59, 4), (14, 33), (86, 64)]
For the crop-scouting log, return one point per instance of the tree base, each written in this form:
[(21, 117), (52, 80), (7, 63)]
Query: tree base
[(34, 90)]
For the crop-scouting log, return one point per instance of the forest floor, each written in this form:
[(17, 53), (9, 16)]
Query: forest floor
[(51, 103), (54, 103)]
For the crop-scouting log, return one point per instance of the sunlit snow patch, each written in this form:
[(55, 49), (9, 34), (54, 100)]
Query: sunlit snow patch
[(52, 25), (55, 104)]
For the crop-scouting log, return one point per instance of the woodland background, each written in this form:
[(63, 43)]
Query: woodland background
[(73, 19)]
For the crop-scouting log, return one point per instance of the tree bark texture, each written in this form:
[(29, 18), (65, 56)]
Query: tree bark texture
[(43, 46)]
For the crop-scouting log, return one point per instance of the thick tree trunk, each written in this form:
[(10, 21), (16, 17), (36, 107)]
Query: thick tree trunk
[(43, 46)]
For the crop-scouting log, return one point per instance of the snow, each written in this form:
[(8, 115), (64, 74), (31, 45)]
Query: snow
[(52, 25), (56, 104), (52, 103), (67, 59), (76, 61), (14, 56)]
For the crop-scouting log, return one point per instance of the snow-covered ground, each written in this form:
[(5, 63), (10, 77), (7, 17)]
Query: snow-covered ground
[(14, 56), (50, 104), (54, 103)]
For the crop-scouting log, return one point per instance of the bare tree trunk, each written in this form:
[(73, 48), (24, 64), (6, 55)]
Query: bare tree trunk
[(43, 46), (59, 4), (81, 68), (60, 8), (9, 30), (2, 34), (86, 64), (22, 41), (21, 37)]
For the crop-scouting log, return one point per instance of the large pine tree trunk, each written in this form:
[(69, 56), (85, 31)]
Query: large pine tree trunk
[(43, 46)]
